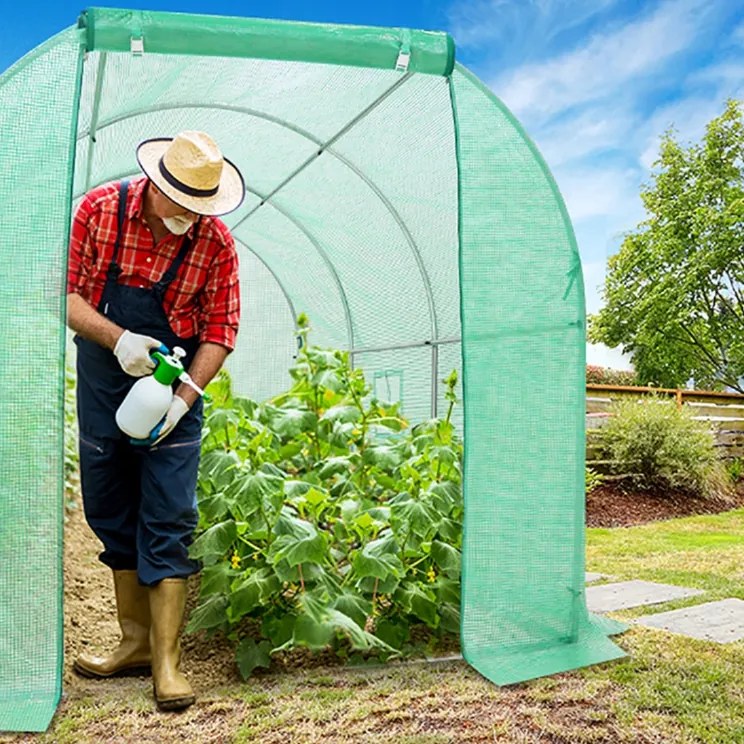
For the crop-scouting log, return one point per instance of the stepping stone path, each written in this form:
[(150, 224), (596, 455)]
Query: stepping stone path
[(625, 594), (592, 577), (721, 621)]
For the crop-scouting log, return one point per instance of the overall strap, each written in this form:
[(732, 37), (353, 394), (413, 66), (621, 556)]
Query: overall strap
[(164, 282), (114, 269)]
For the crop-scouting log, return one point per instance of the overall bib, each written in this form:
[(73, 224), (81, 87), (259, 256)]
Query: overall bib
[(139, 501)]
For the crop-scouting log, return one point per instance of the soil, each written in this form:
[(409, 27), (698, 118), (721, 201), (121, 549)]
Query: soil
[(90, 620), (615, 504)]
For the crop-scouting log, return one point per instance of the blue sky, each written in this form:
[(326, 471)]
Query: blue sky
[(595, 82)]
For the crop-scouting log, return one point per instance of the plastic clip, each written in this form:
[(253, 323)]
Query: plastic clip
[(137, 46), (404, 55)]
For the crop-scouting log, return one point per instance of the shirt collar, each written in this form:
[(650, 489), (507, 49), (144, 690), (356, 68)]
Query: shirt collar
[(136, 202)]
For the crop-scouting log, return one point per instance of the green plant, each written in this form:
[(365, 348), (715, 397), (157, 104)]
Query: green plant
[(593, 479), (657, 444), (606, 376), (324, 518), (72, 469), (735, 469)]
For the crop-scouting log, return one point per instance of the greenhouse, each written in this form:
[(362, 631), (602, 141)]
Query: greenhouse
[(394, 200)]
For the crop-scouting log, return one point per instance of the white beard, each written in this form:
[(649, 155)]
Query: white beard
[(177, 225)]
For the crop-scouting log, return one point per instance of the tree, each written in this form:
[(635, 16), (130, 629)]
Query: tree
[(674, 292)]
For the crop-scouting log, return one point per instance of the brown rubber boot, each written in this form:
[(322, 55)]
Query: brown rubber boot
[(167, 605), (132, 656)]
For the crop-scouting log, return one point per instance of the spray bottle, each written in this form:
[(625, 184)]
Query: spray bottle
[(150, 397)]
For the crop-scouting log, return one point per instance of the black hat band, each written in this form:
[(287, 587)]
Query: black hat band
[(183, 187)]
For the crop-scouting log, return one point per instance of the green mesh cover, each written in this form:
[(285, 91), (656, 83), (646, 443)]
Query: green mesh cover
[(38, 110), (356, 215)]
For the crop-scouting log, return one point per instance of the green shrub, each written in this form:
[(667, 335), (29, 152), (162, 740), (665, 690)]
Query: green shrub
[(735, 469), (325, 519), (656, 445), (605, 376), (593, 480)]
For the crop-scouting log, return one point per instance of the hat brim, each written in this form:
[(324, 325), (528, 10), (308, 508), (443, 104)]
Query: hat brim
[(228, 198)]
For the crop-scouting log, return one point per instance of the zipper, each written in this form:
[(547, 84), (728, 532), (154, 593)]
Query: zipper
[(178, 444), (94, 446)]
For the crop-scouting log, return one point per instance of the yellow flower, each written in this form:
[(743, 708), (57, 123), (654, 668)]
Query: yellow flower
[(235, 560), (431, 574)]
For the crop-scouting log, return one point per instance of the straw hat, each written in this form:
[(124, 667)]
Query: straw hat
[(190, 170)]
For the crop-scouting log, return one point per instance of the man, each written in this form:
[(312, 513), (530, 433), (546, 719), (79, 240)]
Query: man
[(150, 265)]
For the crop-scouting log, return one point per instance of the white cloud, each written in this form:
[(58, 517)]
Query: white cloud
[(605, 65), (527, 25), (597, 191), (595, 129), (687, 117)]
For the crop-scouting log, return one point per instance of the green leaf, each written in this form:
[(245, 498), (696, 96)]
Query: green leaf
[(211, 613), (219, 467), (216, 579), (342, 413), (418, 601), (213, 543), (359, 637), (353, 605), (311, 633), (445, 496), (446, 557), (335, 465), (393, 632), (450, 530), (383, 456), (215, 507), (295, 489), (421, 517), (325, 358), (449, 618), (384, 586), (349, 509), (278, 630), (290, 450), (310, 548), (253, 591), (255, 491), (291, 422), (379, 559), (447, 590), (250, 655)]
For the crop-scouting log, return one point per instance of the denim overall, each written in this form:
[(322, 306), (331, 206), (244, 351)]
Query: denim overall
[(139, 501)]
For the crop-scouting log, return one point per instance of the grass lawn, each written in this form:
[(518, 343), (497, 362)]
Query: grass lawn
[(670, 689)]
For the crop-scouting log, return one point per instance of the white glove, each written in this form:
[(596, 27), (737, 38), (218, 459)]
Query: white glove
[(175, 413), (133, 352)]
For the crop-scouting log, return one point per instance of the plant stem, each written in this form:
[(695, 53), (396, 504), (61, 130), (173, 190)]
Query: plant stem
[(302, 580)]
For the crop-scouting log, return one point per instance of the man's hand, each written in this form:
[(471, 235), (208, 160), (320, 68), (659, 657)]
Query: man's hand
[(133, 352), (178, 409)]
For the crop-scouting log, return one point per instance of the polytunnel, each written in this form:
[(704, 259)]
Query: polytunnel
[(394, 199)]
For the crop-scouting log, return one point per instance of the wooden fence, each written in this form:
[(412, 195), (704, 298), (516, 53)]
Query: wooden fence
[(723, 412)]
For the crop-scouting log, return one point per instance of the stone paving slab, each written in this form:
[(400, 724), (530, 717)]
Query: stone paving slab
[(722, 621), (591, 577), (625, 594)]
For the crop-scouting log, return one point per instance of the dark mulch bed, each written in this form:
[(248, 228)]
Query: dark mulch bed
[(616, 504)]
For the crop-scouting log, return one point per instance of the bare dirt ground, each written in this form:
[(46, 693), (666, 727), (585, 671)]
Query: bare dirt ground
[(615, 504)]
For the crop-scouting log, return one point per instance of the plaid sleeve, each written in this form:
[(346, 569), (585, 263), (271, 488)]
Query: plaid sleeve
[(220, 300), (82, 251)]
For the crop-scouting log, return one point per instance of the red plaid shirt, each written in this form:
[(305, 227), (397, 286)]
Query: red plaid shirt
[(203, 299)]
